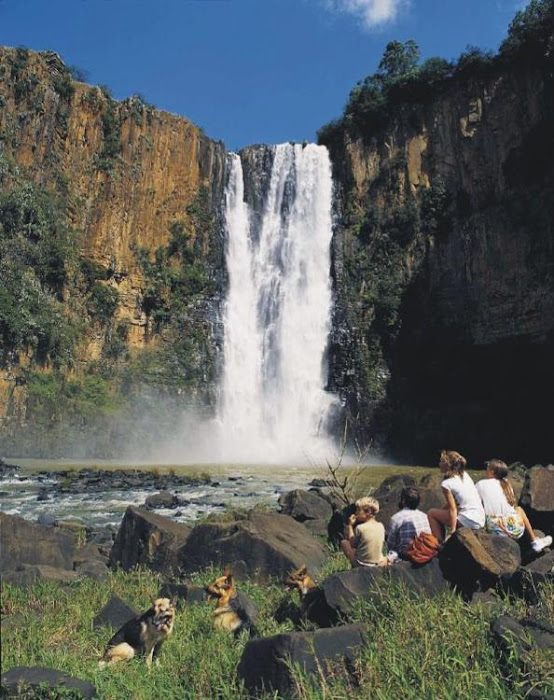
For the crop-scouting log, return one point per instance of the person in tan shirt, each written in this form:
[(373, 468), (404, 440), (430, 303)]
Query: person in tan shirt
[(365, 537)]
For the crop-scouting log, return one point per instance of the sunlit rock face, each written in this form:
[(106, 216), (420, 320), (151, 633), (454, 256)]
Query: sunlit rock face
[(443, 333)]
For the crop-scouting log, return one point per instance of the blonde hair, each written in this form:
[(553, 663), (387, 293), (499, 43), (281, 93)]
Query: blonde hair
[(368, 504), (500, 471), (455, 461)]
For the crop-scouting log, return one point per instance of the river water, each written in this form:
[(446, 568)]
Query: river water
[(236, 486)]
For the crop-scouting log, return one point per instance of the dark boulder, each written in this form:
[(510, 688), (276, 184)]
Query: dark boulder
[(537, 497), (261, 546), (489, 600), (185, 594), (148, 539), (529, 643), (38, 679), (305, 505), (526, 581), (432, 481), (89, 552), (317, 527), (476, 560), (342, 590), (266, 664), (396, 482), (164, 499), (24, 542), (114, 614), (94, 569)]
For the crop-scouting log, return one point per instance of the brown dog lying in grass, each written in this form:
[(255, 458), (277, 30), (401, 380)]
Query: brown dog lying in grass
[(234, 611), (143, 635)]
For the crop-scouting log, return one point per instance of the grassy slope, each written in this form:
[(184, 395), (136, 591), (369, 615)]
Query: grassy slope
[(436, 649)]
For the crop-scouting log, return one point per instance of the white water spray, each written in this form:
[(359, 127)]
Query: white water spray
[(273, 406)]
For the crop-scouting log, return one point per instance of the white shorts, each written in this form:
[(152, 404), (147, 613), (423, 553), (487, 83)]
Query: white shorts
[(468, 522)]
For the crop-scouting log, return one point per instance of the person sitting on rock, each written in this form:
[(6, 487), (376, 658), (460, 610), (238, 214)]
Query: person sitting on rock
[(407, 523), (463, 505), (502, 516), (365, 537)]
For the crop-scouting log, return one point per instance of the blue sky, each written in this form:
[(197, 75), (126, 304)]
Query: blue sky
[(247, 71)]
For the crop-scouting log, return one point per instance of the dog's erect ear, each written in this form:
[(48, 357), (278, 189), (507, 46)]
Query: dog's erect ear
[(303, 570), (173, 601), (227, 572)]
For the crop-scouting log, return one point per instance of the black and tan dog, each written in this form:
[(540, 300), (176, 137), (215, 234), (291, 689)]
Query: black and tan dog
[(302, 582), (234, 611), (313, 607), (143, 635)]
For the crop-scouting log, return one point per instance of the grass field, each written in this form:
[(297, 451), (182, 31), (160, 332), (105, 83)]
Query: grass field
[(438, 649)]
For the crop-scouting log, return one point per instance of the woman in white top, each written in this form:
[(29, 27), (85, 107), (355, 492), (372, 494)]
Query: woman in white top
[(502, 516), (463, 506)]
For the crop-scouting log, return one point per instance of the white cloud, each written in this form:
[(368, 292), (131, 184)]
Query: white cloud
[(372, 13)]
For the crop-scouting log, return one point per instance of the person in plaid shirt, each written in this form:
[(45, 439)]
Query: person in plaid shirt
[(407, 523)]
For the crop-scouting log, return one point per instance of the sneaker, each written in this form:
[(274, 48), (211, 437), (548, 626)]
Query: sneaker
[(541, 543)]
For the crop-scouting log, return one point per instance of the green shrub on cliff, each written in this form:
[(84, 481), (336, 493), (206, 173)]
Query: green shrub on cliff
[(53, 395), (400, 79), (37, 254), (102, 302), (33, 231)]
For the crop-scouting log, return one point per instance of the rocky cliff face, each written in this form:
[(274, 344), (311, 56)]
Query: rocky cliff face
[(112, 263), (444, 271), (140, 190)]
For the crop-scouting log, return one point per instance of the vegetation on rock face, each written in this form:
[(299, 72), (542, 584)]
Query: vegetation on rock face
[(450, 653), (149, 333), (36, 259), (177, 285)]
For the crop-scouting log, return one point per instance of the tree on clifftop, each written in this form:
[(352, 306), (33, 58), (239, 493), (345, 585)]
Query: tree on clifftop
[(399, 58)]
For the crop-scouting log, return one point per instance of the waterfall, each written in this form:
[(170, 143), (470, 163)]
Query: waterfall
[(272, 405)]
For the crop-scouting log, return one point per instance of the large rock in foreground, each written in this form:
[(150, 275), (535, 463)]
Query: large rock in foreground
[(266, 663), (260, 546), (527, 644), (527, 579), (341, 591), (475, 559), (24, 542), (537, 498), (149, 540), (114, 614), (39, 681)]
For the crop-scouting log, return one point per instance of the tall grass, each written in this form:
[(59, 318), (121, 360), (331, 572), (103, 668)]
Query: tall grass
[(417, 648)]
